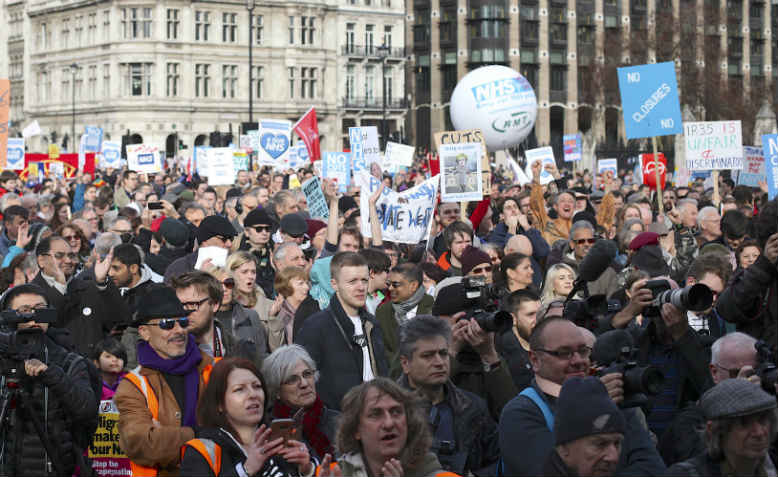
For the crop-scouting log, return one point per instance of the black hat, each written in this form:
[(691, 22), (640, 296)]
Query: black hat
[(214, 225), (258, 217), (346, 203), (294, 224), (158, 302), (450, 300), (585, 216), (174, 232), (584, 409)]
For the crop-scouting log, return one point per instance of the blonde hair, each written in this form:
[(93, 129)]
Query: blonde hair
[(548, 293), (234, 262)]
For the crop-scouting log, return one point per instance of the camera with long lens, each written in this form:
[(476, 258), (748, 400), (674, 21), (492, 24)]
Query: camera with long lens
[(17, 346), (615, 352), (765, 366), (484, 300), (697, 297)]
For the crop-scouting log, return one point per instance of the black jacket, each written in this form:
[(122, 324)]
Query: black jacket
[(159, 262), (683, 437), (180, 266), (477, 446), (329, 338), (65, 392), (307, 308), (555, 467), (496, 386), (517, 358), (265, 272), (243, 323)]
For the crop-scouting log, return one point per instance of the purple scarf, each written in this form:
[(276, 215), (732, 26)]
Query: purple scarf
[(186, 365)]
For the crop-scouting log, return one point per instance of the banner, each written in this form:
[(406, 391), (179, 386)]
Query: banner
[(314, 196), (468, 135), (143, 158), (112, 154), (32, 129), (46, 165), (545, 154), (15, 154), (713, 145), (337, 166), (108, 459), (5, 105), (308, 130), (753, 167), (572, 146), (770, 148), (405, 217), (274, 139), (649, 98), (460, 170), (648, 173), (364, 149), (221, 166)]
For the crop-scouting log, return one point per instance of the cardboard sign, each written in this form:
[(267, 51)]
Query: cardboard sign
[(337, 166), (572, 147), (15, 158), (314, 196), (221, 166), (770, 148), (460, 171), (274, 140), (469, 135), (405, 217), (753, 167), (545, 154), (108, 459), (143, 158), (649, 98), (713, 145), (365, 150)]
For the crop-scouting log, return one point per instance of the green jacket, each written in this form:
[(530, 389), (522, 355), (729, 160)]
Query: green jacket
[(353, 465), (391, 330)]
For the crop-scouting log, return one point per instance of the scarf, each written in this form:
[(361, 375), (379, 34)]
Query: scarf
[(186, 365), (311, 419), (401, 309)]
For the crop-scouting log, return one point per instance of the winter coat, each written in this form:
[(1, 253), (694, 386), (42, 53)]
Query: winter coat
[(516, 357), (328, 336), (5, 243), (182, 265), (245, 326), (390, 329), (64, 390), (166, 256), (121, 198), (703, 466), (353, 465)]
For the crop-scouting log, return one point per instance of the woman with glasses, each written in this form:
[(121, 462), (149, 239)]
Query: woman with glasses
[(77, 240), (291, 283), (291, 388)]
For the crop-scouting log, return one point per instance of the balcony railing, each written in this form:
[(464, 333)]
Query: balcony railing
[(374, 51), (376, 103)]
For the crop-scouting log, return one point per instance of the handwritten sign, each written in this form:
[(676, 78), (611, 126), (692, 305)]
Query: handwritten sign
[(713, 145), (770, 147), (649, 100), (143, 158), (405, 217), (753, 167), (108, 459), (469, 135), (364, 148), (460, 167), (317, 203), (337, 166), (221, 166)]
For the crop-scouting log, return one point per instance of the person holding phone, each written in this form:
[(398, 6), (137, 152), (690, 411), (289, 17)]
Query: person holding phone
[(235, 435)]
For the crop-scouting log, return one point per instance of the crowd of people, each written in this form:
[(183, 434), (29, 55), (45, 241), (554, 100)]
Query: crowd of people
[(238, 335)]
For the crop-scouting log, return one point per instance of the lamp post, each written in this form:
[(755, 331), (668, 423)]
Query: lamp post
[(384, 54), (250, 4), (73, 68)]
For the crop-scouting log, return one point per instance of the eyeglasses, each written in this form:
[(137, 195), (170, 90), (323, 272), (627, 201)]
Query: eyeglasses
[(223, 238), (567, 354), (261, 228), (296, 379), (61, 255), (395, 284), (170, 323), (194, 305), (229, 283), (486, 269), (732, 372), (590, 241)]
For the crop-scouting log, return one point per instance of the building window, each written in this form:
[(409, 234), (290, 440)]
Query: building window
[(79, 32), (369, 83), (259, 29), (92, 82), (229, 27), (136, 23), (106, 80), (291, 30), (138, 78), (369, 29), (258, 76), (229, 80), (350, 82), (388, 81), (78, 84), (558, 78), (291, 81), (202, 80), (388, 36), (350, 37), (173, 78), (308, 83), (307, 30), (66, 76), (106, 25), (172, 24), (92, 29), (202, 25), (65, 36)]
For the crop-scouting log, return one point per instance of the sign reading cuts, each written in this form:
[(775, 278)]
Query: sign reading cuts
[(649, 98), (713, 145)]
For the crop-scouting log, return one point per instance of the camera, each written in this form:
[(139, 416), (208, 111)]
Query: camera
[(697, 297), (16, 346), (615, 352), (484, 299), (765, 366), (584, 312)]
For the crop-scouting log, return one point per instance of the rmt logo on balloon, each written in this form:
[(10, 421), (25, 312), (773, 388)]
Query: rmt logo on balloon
[(488, 94)]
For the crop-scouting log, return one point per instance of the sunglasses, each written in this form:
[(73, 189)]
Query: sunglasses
[(261, 228), (70, 238), (486, 269), (170, 323), (590, 241), (228, 283)]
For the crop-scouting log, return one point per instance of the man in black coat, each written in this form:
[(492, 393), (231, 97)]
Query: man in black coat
[(344, 340), (214, 231), (175, 238)]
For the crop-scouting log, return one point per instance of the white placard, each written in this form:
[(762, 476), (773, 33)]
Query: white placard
[(460, 170), (274, 141), (221, 166), (218, 256), (143, 158), (364, 149), (398, 155), (713, 145), (545, 154)]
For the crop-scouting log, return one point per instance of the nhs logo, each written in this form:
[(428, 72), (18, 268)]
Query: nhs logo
[(488, 93)]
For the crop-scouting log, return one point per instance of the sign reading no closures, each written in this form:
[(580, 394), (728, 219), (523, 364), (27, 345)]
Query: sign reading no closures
[(649, 98)]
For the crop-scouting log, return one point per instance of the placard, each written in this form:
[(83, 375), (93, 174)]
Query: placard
[(298, 156), (770, 148), (545, 154), (94, 139), (572, 147), (405, 217), (143, 158), (244, 142), (253, 140), (605, 165), (649, 100), (469, 135), (274, 141), (221, 166), (337, 166), (314, 196), (108, 459), (397, 155), (15, 157), (713, 145), (240, 161), (112, 154), (460, 170), (753, 167), (365, 150)]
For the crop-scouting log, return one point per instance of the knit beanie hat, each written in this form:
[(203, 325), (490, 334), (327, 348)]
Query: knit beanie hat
[(472, 257), (584, 409)]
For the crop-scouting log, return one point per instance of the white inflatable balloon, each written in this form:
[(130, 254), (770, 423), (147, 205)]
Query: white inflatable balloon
[(497, 100)]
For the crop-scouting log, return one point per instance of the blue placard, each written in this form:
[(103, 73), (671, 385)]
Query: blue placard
[(94, 139), (337, 165), (770, 147), (15, 154), (357, 149), (649, 98)]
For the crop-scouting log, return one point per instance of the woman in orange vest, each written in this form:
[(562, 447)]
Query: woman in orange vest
[(235, 435)]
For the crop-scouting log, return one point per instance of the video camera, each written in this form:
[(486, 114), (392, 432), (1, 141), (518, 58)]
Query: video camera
[(16, 346), (615, 352), (484, 307), (696, 297), (765, 366)]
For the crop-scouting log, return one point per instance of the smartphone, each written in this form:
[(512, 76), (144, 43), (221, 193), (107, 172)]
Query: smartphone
[(155, 206), (285, 428)]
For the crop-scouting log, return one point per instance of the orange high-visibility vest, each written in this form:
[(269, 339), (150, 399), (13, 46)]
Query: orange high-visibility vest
[(208, 449)]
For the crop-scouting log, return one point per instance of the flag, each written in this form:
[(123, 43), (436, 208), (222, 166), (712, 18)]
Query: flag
[(519, 177), (308, 130)]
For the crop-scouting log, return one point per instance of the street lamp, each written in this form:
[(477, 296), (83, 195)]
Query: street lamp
[(73, 68), (383, 52), (250, 4)]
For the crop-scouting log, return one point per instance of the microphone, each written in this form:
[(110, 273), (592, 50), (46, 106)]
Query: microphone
[(593, 265)]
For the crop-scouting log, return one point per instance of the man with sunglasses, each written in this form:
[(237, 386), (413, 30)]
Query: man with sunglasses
[(157, 402), (559, 351), (257, 228)]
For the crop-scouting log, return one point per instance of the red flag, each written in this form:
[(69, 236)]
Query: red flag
[(649, 174), (308, 130)]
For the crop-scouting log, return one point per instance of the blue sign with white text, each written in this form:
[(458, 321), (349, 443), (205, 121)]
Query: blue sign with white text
[(15, 154), (649, 98), (770, 147), (337, 166), (94, 139)]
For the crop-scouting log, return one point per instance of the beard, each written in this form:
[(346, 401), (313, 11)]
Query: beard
[(199, 331)]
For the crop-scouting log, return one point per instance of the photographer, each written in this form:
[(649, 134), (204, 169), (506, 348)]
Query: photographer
[(55, 396)]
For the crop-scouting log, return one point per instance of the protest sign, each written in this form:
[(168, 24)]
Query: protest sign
[(143, 158), (200, 159), (244, 142), (94, 139), (405, 217), (461, 172), (314, 196), (337, 166), (5, 105), (298, 157), (112, 154), (32, 129), (649, 98), (364, 149), (468, 135), (396, 156), (545, 154), (108, 459), (274, 140), (647, 170), (240, 161), (770, 147), (753, 167), (253, 140), (572, 147), (604, 165), (15, 157), (713, 145), (221, 166)]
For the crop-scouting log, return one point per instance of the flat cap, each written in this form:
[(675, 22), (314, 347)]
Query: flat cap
[(735, 398)]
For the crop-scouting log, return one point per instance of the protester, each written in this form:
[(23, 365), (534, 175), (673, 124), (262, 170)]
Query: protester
[(513, 345), (110, 357), (558, 283), (292, 284), (242, 269)]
